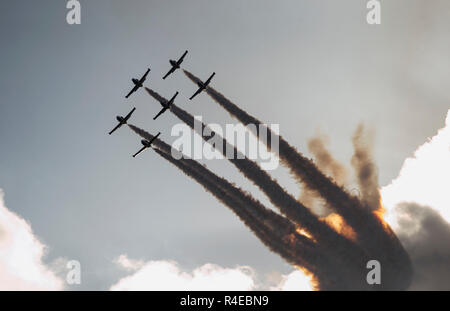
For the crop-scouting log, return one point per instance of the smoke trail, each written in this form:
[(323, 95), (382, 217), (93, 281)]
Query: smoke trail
[(325, 160), (260, 212), (328, 164), (347, 206), (287, 205), (249, 168), (299, 165), (251, 214), (365, 169), (281, 239), (181, 114), (271, 228), (348, 256), (275, 231), (234, 110), (373, 235), (215, 180)]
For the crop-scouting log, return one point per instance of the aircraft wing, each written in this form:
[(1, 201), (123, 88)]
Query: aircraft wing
[(196, 93), (170, 102), (114, 129), (170, 71), (160, 113), (182, 57), (154, 138), (132, 91), (164, 103), (209, 79), (142, 149), (129, 114), (145, 75)]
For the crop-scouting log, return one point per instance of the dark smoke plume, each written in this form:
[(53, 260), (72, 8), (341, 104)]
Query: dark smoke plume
[(299, 165), (329, 165), (276, 232), (373, 235), (286, 203), (366, 170), (425, 234), (325, 160), (272, 229)]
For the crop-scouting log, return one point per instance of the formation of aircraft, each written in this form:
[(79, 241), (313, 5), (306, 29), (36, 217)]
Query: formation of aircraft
[(175, 64), (166, 104), (122, 120), (138, 83), (147, 144), (202, 86)]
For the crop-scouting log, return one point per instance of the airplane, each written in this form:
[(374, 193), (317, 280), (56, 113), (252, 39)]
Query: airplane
[(175, 65), (202, 86), (138, 83), (122, 120), (147, 144), (166, 105)]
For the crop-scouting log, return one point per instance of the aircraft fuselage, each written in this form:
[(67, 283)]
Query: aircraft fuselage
[(146, 143), (174, 63), (137, 82)]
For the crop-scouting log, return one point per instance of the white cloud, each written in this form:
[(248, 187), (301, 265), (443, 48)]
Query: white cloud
[(21, 254), (424, 178), (417, 206), (295, 281), (129, 264), (167, 275)]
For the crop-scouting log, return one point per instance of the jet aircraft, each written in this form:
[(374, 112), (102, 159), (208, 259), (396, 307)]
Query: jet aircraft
[(138, 83), (147, 144), (122, 120), (175, 65), (202, 86)]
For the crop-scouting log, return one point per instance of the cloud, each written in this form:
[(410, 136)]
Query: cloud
[(417, 204), (425, 178), (167, 275), (21, 256), (426, 236), (129, 264), (294, 281)]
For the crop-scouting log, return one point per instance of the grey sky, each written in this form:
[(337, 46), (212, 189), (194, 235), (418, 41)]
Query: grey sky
[(302, 64)]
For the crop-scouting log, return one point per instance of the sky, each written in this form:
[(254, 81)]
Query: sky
[(304, 65)]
